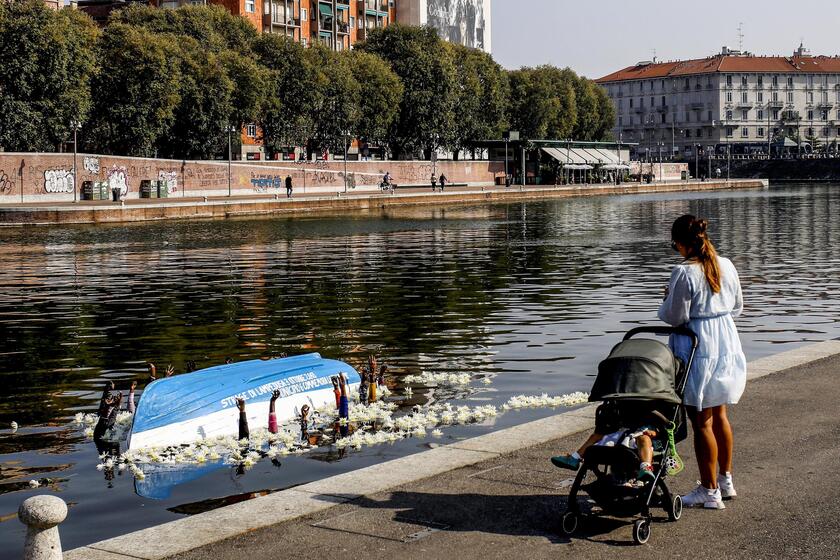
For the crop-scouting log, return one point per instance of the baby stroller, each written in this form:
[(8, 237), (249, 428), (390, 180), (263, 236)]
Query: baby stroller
[(640, 378)]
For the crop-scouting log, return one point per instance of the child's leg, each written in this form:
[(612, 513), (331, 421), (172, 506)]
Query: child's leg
[(590, 441), (645, 447)]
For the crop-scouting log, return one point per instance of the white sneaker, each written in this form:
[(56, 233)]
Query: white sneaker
[(703, 497), (727, 489)]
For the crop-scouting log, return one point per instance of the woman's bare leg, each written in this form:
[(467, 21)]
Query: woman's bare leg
[(705, 447), (723, 437)]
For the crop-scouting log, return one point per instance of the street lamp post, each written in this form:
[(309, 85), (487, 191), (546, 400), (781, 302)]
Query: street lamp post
[(230, 159), (75, 125)]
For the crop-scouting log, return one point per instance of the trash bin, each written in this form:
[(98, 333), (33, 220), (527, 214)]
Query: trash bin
[(147, 188), (88, 191), (116, 192), (103, 190), (163, 189)]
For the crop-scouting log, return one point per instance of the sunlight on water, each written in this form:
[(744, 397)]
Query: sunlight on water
[(530, 295)]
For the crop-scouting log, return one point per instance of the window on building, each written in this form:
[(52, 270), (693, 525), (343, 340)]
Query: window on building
[(729, 131), (745, 115), (303, 18), (688, 133), (250, 6), (711, 132), (620, 121), (775, 96), (838, 132), (352, 21), (826, 131), (809, 132), (744, 81), (761, 132), (664, 118), (743, 97), (709, 116), (729, 97), (775, 114), (650, 85), (631, 102), (761, 81), (775, 132), (663, 100), (687, 84), (824, 97), (729, 79), (811, 81), (251, 131), (824, 115), (760, 97), (729, 115), (810, 115), (745, 132), (809, 97), (641, 102), (775, 80), (790, 81), (790, 97)]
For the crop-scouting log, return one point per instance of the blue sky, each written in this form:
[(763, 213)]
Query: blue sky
[(596, 37)]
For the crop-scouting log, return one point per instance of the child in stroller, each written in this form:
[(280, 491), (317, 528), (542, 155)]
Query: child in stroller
[(640, 385), (637, 428)]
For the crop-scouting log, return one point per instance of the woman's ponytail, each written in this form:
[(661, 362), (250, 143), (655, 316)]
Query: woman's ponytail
[(691, 233)]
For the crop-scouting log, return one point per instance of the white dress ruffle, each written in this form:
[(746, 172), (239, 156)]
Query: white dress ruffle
[(718, 374)]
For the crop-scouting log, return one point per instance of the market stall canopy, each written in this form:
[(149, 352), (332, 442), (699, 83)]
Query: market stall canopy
[(583, 156)]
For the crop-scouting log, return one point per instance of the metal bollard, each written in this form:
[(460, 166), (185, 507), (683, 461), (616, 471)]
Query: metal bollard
[(41, 515)]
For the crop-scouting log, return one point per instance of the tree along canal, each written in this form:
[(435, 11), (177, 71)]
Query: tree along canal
[(529, 296)]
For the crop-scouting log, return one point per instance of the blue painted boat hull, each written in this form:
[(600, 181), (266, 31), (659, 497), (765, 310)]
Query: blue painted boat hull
[(202, 404)]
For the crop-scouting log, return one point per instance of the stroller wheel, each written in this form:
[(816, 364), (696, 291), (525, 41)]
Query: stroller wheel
[(569, 523), (674, 509), (641, 531)]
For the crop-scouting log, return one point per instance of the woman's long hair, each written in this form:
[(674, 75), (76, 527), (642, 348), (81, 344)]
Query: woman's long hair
[(690, 232)]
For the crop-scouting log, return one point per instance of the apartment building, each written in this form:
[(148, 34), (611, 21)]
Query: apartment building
[(731, 101)]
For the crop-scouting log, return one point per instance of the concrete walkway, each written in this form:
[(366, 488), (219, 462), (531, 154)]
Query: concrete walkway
[(787, 477), (497, 495), (321, 203)]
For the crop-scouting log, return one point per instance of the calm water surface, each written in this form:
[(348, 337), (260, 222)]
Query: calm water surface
[(532, 295)]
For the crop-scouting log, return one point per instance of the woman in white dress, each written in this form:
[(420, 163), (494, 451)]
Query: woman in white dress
[(704, 295)]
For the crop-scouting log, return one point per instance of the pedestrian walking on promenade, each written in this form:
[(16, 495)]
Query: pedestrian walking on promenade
[(434, 182), (288, 186), (704, 295), (442, 181)]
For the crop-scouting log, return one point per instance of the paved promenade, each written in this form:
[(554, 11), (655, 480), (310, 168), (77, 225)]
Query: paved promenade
[(497, 496), (786, 474), (321, 203)]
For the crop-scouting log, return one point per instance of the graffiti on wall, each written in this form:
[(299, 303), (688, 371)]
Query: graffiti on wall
[(262, 183), (58, 181), (118, 179), (6, 184), (171, 178), (91, 165)]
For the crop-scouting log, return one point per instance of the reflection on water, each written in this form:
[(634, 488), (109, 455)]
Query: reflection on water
[(532, 295)]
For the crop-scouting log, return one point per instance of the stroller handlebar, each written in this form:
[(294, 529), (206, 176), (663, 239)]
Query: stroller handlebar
[(664, 331)]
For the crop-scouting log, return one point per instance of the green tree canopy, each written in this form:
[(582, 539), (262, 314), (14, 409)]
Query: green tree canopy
[(334, 107), (481, 96), (47, 61), (203, 114), (427, 112), (380, 94), (137, 91), (286, 118), (214, 27)]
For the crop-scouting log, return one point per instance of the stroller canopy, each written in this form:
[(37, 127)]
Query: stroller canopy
[(638, 369)]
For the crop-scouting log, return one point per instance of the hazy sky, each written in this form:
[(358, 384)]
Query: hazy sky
[(596, 37)]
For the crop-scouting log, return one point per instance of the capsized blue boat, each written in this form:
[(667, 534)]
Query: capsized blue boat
[(202, 404)]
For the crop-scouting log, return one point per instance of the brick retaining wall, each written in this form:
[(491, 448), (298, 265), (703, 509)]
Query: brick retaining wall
[(42, 177)]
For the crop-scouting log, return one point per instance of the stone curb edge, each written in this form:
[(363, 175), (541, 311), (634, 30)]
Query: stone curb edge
[(176, 537)]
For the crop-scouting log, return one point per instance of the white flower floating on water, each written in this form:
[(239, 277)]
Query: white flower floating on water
[(375, 424), (545, 401), (427, 378)]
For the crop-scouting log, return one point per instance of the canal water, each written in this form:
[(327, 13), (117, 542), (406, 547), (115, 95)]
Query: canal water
[(531, 295)]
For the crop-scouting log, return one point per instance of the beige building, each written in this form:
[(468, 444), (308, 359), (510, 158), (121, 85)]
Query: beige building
[(732, 100)]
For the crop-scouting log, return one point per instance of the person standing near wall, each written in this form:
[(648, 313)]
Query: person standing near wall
[(442, 181), (288, 186), (434, 182)]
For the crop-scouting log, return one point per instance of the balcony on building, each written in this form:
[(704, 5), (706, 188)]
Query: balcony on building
[(280, 14)]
